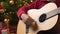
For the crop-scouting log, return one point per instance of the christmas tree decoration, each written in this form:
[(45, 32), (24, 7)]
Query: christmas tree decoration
[(6, 19), (26, 3), (12, 1), (31, 0), (1, 8)]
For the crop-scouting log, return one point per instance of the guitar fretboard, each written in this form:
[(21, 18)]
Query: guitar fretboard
[(53, 13)]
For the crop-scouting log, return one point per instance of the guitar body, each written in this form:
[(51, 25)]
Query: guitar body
[(35, 14), (21, 29)]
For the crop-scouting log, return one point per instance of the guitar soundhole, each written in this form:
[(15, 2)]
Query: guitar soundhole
[(42, 18)]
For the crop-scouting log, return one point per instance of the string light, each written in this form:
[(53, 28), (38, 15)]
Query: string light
[(31, 0), (12, 1)]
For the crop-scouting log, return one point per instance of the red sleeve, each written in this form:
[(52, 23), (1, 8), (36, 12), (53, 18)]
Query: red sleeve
[(24, 9), (57, 2)]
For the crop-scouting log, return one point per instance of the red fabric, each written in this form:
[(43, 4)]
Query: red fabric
[(57, 2), (34, 5)]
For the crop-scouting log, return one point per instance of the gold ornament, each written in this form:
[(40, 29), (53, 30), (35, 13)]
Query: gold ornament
[(12, 1), (20, 4), (26, 3), (31, 0)]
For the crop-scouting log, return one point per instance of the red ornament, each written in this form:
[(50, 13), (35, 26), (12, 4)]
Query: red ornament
[(1, 7)]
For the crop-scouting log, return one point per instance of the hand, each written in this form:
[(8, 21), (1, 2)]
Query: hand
[(27, 20)]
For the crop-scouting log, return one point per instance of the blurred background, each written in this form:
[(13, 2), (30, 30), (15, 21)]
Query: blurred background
[(8, 15)]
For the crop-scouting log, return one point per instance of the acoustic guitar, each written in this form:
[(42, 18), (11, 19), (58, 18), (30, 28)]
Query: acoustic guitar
[(46, 18)]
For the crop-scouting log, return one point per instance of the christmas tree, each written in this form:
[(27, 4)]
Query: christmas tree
[(10, 8)]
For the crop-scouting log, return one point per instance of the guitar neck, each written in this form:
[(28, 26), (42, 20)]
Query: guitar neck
[(53, 13)]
